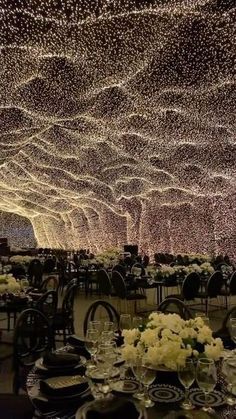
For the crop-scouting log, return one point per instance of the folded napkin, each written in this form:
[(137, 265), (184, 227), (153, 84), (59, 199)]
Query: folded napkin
[(61, 360), (63, 386), (115, 409), (75, 341)]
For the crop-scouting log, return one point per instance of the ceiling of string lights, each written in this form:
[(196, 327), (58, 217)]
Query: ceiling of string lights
[(117, 122)]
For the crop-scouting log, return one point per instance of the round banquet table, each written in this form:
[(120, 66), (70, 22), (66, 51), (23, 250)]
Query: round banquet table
[(68, 410)]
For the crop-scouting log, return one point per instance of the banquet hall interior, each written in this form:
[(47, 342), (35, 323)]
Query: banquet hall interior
[(117, 209)]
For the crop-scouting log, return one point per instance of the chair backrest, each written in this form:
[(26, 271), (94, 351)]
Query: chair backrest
[(224, 331), (120, 268), (214, 284), (110, 310), (32, 337), (104, 282), (68, 300), (50, 283), (232, 283), (118, 284), (35, 272), (47, 304), (190, 286), (178, 307), (49, 265)]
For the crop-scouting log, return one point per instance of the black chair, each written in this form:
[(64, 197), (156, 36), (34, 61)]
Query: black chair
[(49, 266), (120, 268), (104, 282), (223, 332), (35, 273), (63, 322), (33, 337), (121, 291), (140, 266), (50, 283), (177, 306), (229, 288), (212, 290), (189, 289), (47, 304), (91, 313)]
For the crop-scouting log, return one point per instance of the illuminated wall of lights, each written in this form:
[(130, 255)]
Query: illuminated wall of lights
[(117, 122)]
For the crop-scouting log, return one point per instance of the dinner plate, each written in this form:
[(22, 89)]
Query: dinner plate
[(40, 365), (125, 386), (82, 411), (35, 393), (214, 399), (165, 393)]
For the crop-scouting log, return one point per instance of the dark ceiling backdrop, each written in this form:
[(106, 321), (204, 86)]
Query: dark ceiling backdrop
[(117, 122)]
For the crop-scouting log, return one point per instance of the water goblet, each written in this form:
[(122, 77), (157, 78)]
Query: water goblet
[(138, 373), (186, 375), (229, 370), (148, 377), (95, 324), (109, 326), (233, 329), (206, 378), (125, 321), (91, 343), (107, 336), (105, 358), (137, 322)]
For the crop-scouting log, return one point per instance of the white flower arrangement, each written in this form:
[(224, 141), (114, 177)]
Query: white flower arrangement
[(108, 258), (207, 268), (168, 341), (8, 284), (21, 259)]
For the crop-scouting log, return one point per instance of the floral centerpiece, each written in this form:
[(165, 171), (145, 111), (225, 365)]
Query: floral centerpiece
[(8, 284), (21, 259), (108, 258), (167, 341)]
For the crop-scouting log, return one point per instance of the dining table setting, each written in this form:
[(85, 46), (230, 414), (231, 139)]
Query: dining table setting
[(90, 375)]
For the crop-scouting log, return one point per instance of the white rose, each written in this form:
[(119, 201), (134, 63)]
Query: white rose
[(130, 336)]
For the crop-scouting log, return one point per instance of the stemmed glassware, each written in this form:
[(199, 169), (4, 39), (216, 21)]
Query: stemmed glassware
[(186, 375), (233, 329), (125, 321), (91, 344), (138, 373), (229, 370), (206, 378), (137, 322), (106, 356), (148, 377)]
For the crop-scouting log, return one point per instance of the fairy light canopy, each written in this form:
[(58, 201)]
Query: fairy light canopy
[(117, 122)]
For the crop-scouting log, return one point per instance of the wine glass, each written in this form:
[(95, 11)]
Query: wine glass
[(137, 322), (125, 321), (148, 376), (229, 370), (91, 343), (105, 357), (233, 329), (109, 326), (107, 336), (186, 375), (138, 373), (206, 379), (95, 324)]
